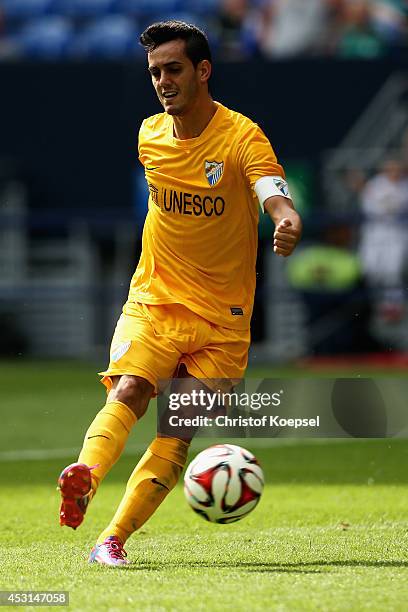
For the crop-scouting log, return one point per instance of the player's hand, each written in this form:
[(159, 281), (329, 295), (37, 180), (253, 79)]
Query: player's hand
[(285, 237)]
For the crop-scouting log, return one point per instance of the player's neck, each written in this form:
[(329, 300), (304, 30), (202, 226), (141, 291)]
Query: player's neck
[(194, 122)]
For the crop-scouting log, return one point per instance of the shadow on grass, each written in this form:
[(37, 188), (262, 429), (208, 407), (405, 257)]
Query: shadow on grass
[(310, 567)]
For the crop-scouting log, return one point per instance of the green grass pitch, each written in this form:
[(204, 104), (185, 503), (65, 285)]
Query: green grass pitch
[(330, 532)]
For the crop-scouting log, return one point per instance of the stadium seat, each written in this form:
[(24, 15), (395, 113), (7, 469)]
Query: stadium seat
[(204, 7), (46, 38), (83, 9), (111, 37), (146, 8), (25, 9)]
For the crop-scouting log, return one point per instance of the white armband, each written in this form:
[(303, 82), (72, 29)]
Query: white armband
[(268, 186)]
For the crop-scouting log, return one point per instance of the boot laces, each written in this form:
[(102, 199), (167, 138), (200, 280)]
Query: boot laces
[(115, 549)]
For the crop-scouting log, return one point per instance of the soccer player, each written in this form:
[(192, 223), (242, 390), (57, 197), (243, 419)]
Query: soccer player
[(188, 313)]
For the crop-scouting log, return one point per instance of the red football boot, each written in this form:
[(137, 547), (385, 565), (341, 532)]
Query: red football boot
[(74, 484)]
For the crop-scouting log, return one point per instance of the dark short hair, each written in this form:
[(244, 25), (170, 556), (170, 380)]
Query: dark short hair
[(197, 47)]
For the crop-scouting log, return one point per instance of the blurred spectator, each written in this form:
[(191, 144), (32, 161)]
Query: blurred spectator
[(239, 29), (358, 36), (8, 49), (384, 236), (236, 25), (390, 20), (293, 27)]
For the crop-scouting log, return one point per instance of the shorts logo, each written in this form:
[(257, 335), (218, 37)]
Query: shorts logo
[(282, 186), (213, 171), (119, 351)]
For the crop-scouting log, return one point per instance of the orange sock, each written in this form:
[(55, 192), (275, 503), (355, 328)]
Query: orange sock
[(152, 479), (106, 438)]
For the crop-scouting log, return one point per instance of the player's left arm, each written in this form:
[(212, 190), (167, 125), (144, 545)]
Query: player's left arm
[(288, 224)]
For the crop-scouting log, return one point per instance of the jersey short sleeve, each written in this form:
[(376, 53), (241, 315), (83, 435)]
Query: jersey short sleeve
[(255, 155)]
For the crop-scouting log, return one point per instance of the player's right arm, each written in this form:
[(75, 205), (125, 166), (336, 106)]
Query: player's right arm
[(288, 224), (267, 179)]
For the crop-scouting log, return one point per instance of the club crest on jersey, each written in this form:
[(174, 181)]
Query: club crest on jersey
[(282, 186), (213, 171)]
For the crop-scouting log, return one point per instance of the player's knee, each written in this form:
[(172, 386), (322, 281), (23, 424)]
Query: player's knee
[(134, 391)]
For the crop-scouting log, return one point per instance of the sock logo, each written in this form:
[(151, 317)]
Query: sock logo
[(118, 351), (155, 481)]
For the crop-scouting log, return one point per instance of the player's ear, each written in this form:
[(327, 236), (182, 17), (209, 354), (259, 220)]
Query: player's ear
[(204, 70)]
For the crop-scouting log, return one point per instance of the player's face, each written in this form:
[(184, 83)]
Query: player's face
[(176, 81)]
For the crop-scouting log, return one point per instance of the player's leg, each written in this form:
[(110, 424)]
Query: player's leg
[(104, 442), (137, 359), (219, 355), (153, 478), (106, 437), (159, 469)]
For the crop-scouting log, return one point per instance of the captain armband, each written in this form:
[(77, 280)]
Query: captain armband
[(269, 186)]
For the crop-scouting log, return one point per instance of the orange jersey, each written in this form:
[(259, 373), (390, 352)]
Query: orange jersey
[(200, 236)]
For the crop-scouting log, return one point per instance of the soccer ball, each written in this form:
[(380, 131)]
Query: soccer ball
[(223, 483)]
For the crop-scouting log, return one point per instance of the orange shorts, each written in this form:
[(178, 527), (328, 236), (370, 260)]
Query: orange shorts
[(152, 341)]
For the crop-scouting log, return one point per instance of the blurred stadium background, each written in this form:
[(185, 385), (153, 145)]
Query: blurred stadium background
[(326, 80)]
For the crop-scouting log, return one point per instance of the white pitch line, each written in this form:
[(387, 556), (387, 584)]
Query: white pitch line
[(41, 454), (36, 454)]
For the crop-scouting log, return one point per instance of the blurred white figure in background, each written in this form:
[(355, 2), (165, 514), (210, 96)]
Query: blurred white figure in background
[(293, 27), (384, 235)]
